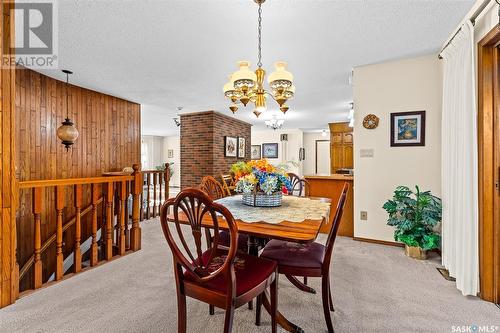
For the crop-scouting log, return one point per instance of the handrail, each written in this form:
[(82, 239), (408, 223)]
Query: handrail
[(52, 238), (72, 181)]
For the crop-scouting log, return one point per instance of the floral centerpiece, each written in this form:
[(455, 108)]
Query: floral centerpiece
[(260, 183)]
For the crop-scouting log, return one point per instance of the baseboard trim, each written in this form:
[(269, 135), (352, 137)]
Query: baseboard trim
[(376, 241)]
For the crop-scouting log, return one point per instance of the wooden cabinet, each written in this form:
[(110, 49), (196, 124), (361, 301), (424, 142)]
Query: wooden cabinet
[(341, 146)]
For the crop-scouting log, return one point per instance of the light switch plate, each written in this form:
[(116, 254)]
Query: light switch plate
[(366, 153), (363, 215)]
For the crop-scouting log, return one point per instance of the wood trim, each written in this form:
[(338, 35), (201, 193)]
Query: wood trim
[(316, 154), (488, 157), (377, 241), (73, 181)]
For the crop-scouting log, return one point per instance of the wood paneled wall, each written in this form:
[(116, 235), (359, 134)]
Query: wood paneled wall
[(8, 187), (109, 140)]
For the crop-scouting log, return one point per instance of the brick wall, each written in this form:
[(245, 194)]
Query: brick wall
[(202, 145)]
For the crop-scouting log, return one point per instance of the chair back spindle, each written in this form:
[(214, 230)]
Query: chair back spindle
[(212, 188)]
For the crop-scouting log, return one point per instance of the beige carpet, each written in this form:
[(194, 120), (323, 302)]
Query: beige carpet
[(375, 289)]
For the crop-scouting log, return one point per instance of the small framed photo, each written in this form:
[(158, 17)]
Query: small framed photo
[(270, 150), (255, 152), (230, 146), (170, 153), (241, 147), (408, 129)]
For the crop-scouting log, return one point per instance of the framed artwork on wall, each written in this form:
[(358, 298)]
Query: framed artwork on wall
[(255, 152), (408, 129), (230, 146), (270, 150), (241, 147)]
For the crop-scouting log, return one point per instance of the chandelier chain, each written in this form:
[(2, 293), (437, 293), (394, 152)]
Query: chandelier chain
[(67, 84), (259, 63)]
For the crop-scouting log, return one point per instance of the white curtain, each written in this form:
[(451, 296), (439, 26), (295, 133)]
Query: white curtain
[(460, 163)]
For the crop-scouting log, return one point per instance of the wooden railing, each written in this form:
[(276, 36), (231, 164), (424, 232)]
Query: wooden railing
[(113, 192), (155, 192)]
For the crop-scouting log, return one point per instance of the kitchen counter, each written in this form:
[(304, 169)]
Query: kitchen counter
[(330, 176), (330, 186)]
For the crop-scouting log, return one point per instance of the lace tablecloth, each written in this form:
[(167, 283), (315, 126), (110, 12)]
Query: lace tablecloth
[(293, 209)]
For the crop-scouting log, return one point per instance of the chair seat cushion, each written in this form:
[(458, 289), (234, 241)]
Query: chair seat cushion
[(242, 240), (250, 271), (292, 254)]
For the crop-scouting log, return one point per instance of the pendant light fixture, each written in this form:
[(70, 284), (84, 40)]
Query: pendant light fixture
[(246, 86), (67, 132)]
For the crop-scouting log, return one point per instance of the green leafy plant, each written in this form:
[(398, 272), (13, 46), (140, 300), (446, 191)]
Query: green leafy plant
[(162, 167), (415, 216)]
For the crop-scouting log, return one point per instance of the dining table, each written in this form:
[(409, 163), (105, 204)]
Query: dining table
[(297, 219)]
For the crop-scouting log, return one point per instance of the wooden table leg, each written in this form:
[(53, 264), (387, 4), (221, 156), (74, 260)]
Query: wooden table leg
[(253, 249), (282, 321), (300, 285)]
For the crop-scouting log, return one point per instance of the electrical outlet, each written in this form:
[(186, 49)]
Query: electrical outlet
[(364, 215)]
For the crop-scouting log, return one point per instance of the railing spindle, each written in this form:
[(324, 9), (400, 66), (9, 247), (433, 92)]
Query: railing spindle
[(167, 180), (59, 232), (94, 255), (37, 210), (155, 181), (127, 215), (121, 217), (160, 192), (78, 228), (148, 196), (108, 245), (135, 232)]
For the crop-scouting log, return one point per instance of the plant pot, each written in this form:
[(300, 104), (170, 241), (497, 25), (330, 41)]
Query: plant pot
[(415, 252), (261, 199)]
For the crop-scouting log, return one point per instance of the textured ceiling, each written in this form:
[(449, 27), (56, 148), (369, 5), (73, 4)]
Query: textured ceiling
[(164, 54)]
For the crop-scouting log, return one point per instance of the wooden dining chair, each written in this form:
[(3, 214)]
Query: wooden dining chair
[(300, 186), (312, 260), (227, 183), (223, 278)]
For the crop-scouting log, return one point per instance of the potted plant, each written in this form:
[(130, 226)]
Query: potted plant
[(415, 216), (260, 183)]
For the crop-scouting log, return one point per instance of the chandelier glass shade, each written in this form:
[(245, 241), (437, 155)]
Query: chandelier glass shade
[(247, 86)]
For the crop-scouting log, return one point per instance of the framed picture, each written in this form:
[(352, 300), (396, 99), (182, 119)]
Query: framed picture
[(408, 129), (241, 147), (270, 150), (255, 152), (170, 153), (230, 146)]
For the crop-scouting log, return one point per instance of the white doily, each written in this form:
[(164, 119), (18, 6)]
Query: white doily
[(292, 209)]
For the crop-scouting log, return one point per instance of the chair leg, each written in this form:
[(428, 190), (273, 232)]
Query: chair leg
[(305, 280), (325, 288), (228, 321), (250, 305), (330, 297), (258, 308), (274, 303), (181, 313), (211, 310)]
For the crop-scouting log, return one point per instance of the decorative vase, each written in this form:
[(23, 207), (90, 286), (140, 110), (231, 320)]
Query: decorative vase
[(260, 199), (415, 252)]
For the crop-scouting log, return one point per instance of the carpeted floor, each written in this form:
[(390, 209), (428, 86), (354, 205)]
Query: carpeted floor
[(375, 289)]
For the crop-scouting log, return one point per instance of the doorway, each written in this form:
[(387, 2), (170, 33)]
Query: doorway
[(322, 156), (489, 165)]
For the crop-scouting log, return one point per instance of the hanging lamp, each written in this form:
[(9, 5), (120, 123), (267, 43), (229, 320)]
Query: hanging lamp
[(67, 132)]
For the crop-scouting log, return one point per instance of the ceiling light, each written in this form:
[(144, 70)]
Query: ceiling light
[(275, 123), (67, 132), (245, 86)]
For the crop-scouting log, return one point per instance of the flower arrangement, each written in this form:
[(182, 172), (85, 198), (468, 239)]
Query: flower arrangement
[(260, 176)]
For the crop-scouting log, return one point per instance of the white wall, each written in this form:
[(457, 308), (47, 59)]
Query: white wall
[(309, 165), (151, 152), (405, 85), (174, 143), (287, 151)]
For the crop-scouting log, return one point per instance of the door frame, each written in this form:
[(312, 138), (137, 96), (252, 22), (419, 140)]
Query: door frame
[(489, 163), (316, 155)]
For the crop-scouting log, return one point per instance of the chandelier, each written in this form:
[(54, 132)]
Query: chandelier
[(275, 123), (246, 86)]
